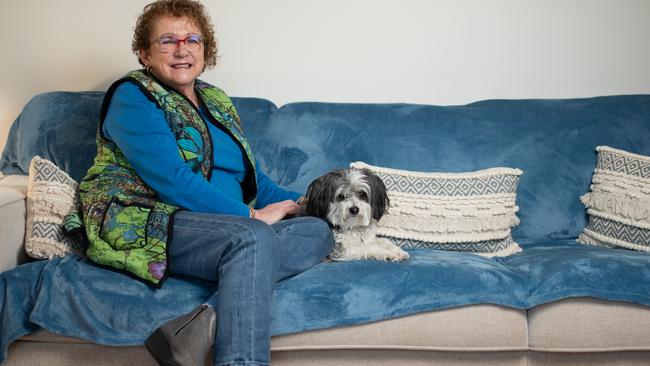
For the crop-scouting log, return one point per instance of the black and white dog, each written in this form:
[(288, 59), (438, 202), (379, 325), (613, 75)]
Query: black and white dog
[(352, 201)]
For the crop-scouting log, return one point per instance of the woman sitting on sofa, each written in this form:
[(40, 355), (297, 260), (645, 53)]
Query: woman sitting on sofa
[(175, 190)]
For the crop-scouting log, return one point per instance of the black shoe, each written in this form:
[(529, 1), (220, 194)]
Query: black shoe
[(184, 341)]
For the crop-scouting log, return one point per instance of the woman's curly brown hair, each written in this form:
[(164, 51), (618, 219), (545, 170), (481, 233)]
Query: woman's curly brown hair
[(191, 9)]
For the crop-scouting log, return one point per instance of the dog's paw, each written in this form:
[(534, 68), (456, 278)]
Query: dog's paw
[(398, 256)]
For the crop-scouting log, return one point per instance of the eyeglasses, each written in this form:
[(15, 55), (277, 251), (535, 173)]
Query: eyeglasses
[(169, 43)]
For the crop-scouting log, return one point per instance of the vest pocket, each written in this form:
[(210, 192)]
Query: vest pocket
[(124, 225)]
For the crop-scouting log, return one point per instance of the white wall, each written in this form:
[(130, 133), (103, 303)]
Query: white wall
[(422, 51)]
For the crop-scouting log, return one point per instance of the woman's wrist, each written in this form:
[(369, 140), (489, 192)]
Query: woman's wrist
[(252, 213), (301, 201)]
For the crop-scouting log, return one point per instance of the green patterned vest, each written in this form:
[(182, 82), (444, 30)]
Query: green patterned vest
[(127, 225)]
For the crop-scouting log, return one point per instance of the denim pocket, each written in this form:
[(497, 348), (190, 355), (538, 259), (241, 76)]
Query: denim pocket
[(124, 225)]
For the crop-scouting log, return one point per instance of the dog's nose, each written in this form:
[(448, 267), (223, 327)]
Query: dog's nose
[(354, 210)]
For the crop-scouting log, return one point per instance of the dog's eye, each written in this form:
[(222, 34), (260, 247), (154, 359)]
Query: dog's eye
[(363, 195), (340, 197)]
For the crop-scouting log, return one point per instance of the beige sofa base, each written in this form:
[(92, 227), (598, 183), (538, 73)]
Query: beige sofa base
[(66, 354), (589, 359), (71, 354), (470, 335)]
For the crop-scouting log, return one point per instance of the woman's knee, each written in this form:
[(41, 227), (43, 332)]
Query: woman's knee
[(322, 233), (320, 236), (263, 238)]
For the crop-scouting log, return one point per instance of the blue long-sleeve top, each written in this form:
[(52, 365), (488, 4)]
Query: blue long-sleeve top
[(139, 129)]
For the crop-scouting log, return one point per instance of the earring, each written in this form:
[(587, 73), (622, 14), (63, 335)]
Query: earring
[(148, 68)]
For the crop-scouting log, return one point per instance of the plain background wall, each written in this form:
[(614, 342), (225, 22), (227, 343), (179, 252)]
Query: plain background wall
[(419, 51)]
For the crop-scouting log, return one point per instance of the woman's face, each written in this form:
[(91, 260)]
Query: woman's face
[(175, 64)]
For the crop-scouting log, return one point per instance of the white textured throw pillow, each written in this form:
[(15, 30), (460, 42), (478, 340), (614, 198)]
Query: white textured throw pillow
[(618, 204), (470, 212), (51, 194)]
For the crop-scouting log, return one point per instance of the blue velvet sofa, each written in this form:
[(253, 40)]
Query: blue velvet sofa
[(555, 303)]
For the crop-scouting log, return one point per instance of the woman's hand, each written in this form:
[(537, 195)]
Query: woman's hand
[(277, 211)]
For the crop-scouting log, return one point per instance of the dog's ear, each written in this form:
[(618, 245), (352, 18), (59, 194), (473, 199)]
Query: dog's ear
[(321, 192), (378, 196)]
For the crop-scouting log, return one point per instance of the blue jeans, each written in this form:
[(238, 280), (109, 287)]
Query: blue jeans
[(246, 257)]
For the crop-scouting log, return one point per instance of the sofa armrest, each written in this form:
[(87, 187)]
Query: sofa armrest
[(13, 189)]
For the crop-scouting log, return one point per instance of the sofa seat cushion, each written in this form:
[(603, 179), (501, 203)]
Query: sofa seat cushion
[(328, 295), (468, 328), (50, 295), (589, 325), (562, 269), (484, 328)]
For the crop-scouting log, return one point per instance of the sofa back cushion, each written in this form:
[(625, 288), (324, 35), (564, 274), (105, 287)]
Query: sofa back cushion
[(552, 141), (58, 126), (61, 127)]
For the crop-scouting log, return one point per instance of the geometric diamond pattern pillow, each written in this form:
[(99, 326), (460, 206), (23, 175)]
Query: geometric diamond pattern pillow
[(618, 203), (469, 212), (51, 195)]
